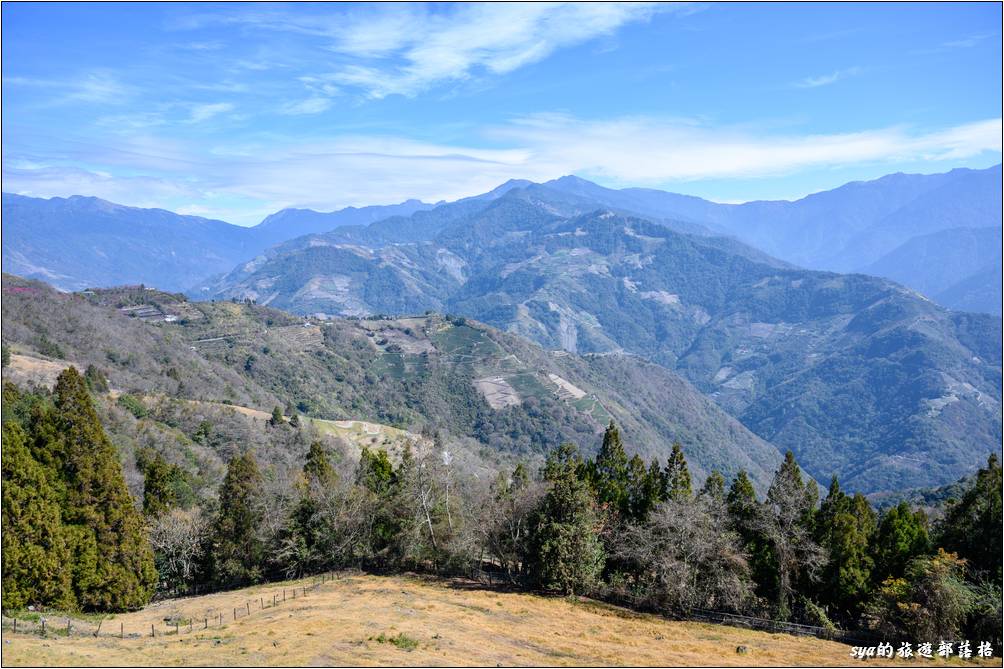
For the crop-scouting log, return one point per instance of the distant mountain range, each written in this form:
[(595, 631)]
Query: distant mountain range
[(873, 227), (80, 242), (858, 375)]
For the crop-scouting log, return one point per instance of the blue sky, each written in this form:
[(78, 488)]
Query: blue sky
[(234, 111)]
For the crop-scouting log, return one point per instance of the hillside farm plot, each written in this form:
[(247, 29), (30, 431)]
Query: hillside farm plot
[(362, 434), (497, 392), (590, 405), (566, 390), (405, 335), (466, 347), (300, 337), (400, 366)]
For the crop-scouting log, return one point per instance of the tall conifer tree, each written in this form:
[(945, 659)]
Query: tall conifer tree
[(237, 553)]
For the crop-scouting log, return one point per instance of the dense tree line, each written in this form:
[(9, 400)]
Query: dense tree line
[(618, 528), (613, 527)]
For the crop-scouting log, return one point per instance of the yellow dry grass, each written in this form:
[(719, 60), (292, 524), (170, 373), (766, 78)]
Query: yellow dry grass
[(343, 622)]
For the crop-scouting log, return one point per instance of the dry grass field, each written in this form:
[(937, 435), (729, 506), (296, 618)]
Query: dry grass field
[(400, 620)]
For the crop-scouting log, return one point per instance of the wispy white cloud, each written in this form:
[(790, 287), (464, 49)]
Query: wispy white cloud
[(964, 43), (314, 105), (204, 112), (827, 79), (416, 47), (96, 86), (647, 150)]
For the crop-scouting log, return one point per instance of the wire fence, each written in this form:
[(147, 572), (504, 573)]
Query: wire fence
[(54, 625)]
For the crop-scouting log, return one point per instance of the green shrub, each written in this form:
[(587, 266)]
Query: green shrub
[(133, 405)]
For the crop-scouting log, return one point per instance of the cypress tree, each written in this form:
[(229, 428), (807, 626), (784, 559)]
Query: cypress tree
[(277, 417), (113, 563), (237, 554), (678, 474), (608, 474), (317, 469), (158, 486), (35, 555), (648, 488), (744, 516), (844, 527), (972, 526), (786, 523), (902, 536), (714, 486)]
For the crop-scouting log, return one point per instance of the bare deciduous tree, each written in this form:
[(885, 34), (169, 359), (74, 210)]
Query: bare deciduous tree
[(177, 540), (682, 557)]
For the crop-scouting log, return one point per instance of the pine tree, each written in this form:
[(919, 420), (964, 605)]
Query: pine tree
[(277, 418), (375, 471), (303, 535), (237, 550), (678, 474), (376, 474), (566, 553), (35, 554)]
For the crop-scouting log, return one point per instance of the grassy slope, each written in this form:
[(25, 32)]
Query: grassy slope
[(341, 621)]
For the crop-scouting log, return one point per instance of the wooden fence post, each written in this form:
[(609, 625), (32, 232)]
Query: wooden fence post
[(121, 630), (261, 601), (43, 626), (153, 632), (275, 598), (284, 594), (67, 627), (15, 625), (176, 632), (248, 605), (206, 624)]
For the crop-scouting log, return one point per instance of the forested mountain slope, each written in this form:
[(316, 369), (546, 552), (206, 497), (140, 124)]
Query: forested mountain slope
[(858, 375), (476, 386)]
